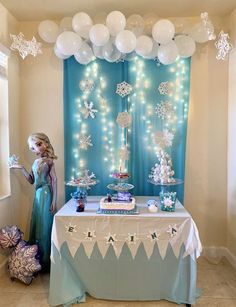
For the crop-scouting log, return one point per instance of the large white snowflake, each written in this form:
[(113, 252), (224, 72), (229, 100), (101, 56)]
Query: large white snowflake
[(164, 109), (165, 88), (223, 45), (25, 47), (124, 119), (85, 141), (163, 138), (124, 154), (123, 89), (88, 110), (86, 85)]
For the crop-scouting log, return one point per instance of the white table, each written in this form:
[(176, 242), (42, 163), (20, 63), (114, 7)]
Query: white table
[(148, 256)]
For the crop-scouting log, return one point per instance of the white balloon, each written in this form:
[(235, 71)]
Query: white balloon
[(199, 33), (48, 31), (84, 31), (99, 35), (110, 52), (84, 55), (144, 45), (115, 22), (66, 24), (98, 51), (68, 42), (163, 31), (186, 45), (149, 21), (79, 21), (126, 41), (59, 54), (153, 53), (135, 24), (167, 54)]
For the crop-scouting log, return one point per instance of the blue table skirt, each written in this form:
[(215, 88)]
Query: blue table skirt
[(139, 279)]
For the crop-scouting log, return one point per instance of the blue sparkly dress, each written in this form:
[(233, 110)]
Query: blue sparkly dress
[(41, 219)]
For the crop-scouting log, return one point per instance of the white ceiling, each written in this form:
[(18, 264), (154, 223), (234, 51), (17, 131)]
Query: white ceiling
[(34, 10)]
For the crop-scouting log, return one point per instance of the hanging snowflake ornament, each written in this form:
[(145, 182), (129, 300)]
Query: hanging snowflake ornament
[(86, 85), (123, 89), (25, 47), (223, 45), (164, 109), (208, 25), (124, 154), (165, 88), (163, 138), (85, 141), (88, 110), (124, 119)]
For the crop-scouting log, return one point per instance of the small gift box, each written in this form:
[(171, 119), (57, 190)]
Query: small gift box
[(168, 200)]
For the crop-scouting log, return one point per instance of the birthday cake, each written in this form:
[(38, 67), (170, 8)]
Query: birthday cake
[(123, 202)]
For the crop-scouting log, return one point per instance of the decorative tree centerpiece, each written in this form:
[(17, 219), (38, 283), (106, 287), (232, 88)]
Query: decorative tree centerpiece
[(162, 172)]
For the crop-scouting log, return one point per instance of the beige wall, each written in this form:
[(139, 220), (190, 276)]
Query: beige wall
[(231, 229), (11, 206), (41, 96)]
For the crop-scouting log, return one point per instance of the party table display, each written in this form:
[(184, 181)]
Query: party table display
[(121, 202)]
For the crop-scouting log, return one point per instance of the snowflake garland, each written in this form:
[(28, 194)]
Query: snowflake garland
[(164, 109), (25, 47), (172, 230), (85, 141), (70, 228), (124, 119), (223, 45), (163, 138), (123, 89), (165, 88), (88, 110), (86, 85), (124, 154)]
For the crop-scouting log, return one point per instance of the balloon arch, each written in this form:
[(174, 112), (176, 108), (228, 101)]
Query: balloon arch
[(114, 38)]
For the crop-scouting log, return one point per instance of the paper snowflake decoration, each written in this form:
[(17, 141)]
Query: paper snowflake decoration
[(165, 88), (168, 202), (208, 26), (124, 119), (89, 234), (132, 238), (123, 89), (124, 154), (13, 161), (25, 47), (172, 230), (88, 110), (153, 235), (70, 228), (86, 85), (110, 238), (163, 138), (164, 109), (85, 141), (223, 46)]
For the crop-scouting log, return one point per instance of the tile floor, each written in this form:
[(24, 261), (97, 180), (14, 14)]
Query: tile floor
[(218, 284)]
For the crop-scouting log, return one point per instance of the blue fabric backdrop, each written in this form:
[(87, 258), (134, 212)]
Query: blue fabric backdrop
[(107, 136)]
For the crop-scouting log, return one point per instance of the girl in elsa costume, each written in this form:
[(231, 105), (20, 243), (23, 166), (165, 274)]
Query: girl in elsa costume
[(43, 177)]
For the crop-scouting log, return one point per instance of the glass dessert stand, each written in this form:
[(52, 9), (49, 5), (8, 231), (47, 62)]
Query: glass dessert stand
[(167, 196), (81, 193), (121, 197)]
